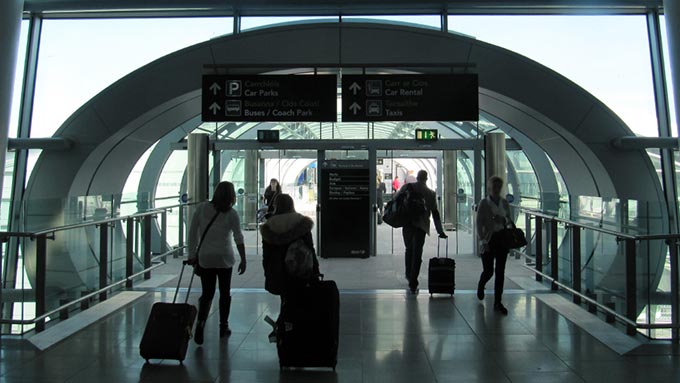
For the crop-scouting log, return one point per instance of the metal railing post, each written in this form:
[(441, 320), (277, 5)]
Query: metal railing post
[(539, 247), (146, 238), (129, 250), (40, 279), (164, 234), (554, 263), (181, 229), (675, 298), (631, 284), (103, 259), (576, 262), (527, 224)]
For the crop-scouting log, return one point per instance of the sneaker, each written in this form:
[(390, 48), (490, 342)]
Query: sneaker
[(480, 293), (500, 308)]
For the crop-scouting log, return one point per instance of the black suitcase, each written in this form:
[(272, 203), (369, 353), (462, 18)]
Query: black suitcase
[(441, 273), (307, 328), (169, 328)]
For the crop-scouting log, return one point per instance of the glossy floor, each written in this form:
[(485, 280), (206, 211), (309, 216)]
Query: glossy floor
[(384, 337)]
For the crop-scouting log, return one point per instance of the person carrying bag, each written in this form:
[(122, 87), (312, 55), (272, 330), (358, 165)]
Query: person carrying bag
[(216, 220), (493, 217)]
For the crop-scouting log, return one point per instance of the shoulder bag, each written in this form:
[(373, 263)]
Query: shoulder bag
[(198, 270)]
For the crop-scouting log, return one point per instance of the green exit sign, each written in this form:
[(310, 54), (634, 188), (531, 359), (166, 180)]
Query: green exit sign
[(427, 134)]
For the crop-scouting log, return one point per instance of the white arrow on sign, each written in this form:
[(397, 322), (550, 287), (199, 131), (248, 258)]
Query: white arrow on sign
[(354, 108), (355, 88), (215, 88), (214, 107)]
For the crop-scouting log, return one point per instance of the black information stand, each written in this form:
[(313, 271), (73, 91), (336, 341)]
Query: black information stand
[(345, 209)]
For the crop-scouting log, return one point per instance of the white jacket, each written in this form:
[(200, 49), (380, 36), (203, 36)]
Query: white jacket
[(217, 250), (486, 224)]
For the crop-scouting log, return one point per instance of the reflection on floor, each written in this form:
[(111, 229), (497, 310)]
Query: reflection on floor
[(384, 271), (385, 337)]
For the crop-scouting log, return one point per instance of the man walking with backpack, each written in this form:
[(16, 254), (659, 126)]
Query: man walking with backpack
[(420, 202)]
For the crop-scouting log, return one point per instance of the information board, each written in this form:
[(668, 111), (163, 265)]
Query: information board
[(261, 98), (345, 209), (448, 97)]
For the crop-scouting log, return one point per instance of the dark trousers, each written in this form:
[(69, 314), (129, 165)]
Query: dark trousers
[(414, 239), (499, 254), (209, 279)]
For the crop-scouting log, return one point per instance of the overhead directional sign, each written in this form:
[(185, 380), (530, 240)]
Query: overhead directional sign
[(269, 98), (450, 97)]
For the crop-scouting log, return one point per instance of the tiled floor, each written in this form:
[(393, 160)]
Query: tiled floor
[(384, 337)]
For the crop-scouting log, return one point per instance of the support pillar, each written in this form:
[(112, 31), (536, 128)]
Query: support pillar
[(252, 193), (10, 30), (495, 160), (197, 170), (450, 178)]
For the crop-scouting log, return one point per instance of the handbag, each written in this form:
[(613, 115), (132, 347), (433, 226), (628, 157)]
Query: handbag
[(513, 238), (198, 270)]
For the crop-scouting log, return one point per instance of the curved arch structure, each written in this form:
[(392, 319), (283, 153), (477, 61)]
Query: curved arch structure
[(116, 127)]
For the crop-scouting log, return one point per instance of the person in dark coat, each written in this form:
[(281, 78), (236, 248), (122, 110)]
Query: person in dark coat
[(271, 191), (281, 229)]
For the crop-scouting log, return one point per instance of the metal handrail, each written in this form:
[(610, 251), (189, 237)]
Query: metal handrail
[(52, 230), (618, 234), (94, 293), (586, 298)]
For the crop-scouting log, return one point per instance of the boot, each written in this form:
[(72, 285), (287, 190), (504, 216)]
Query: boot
[(225, 308), (203, 311), (198, 336)]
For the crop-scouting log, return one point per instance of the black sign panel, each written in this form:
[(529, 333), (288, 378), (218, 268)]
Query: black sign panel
[(345, 209), (450, 97), (269, 98)]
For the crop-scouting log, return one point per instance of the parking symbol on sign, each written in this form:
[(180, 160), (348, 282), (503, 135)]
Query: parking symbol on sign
[(232, 108), (233, 88)]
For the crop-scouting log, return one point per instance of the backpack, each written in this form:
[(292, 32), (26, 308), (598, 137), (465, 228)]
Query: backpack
[(414, 203), (299, 260)]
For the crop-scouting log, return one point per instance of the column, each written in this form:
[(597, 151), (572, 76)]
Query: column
[(252, 192), (449, 196), (197, 170), (494, 157), (10, 29)]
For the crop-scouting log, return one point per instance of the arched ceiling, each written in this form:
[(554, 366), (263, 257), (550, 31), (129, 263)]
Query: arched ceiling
[(117, 126)]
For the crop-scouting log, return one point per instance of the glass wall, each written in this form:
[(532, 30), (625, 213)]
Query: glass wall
[(606, 55), (79, 58)]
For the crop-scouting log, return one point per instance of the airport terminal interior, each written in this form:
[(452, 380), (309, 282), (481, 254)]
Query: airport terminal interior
[(120, 117)]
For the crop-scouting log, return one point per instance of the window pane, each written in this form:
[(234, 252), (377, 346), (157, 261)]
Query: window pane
[(18, 80), (606, 55), (79, 58)]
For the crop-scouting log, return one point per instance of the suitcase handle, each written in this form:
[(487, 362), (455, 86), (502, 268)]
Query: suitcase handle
[(179, 282), (447, 246)]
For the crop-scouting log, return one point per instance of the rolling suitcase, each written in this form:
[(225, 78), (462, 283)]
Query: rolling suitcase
[(307, 328), (169, 327), (441, 273)]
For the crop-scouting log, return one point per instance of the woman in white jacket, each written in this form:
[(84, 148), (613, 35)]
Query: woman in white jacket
[(214, 221), (493, 214)]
